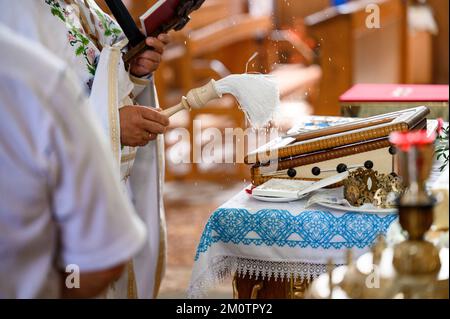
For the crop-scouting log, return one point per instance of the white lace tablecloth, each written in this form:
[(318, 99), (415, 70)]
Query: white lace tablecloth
[(279, 240)]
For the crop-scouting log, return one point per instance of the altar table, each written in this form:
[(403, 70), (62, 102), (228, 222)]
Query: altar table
[(278, 243)]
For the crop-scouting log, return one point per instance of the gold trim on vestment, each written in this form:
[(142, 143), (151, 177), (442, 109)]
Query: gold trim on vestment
[(113, 103), (132, 292), (160, 267), (128, 157)]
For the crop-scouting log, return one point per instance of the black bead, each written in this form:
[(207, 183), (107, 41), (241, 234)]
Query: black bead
[(393, 174), (292, 172), (392, 150), (368, 164), (341, 168), (315, 171)]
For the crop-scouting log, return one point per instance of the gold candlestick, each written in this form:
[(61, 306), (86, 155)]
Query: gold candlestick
[(416, 260)]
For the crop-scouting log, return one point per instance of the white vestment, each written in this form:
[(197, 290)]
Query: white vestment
[(62, 201), (58, 26)]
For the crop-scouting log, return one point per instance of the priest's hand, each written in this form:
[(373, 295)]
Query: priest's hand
[(148, 61), (140, 125)]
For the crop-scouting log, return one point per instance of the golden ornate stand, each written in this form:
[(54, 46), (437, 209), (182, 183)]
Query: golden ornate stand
[(259, 288)]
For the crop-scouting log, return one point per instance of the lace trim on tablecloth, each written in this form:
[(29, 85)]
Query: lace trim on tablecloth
[(223, 267)]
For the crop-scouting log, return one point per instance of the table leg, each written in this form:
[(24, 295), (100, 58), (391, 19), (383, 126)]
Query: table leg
[(259, 288), (298, 288)]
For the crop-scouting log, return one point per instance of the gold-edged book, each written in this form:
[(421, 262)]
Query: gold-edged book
[(318, 154)]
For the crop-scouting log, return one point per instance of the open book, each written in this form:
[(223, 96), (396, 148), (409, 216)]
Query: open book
[(289, 188)]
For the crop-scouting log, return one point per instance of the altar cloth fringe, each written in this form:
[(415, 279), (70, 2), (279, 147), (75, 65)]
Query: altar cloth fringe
[(221, 268)]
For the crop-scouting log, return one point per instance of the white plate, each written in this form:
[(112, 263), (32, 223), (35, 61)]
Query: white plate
[(358, 209), (275, 199)]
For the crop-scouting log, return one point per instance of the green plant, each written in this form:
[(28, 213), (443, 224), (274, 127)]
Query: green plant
[(442, 147)]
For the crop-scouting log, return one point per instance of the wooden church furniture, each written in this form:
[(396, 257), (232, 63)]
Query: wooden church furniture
[(352, 53)]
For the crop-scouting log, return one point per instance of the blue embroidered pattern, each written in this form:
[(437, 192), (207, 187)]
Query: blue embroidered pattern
[(316, 229)]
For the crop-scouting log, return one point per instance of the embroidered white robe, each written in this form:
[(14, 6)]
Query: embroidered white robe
[(61, 27)]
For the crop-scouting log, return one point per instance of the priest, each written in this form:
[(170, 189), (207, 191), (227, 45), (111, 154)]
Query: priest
[(66, 227), (80, 33)]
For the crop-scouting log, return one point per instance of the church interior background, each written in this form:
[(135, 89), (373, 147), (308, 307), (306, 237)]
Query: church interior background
[(315, 52)]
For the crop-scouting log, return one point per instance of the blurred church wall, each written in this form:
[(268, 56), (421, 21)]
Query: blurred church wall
[(440, 42)]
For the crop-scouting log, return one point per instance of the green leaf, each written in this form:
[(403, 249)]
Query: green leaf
[(76, 33), (58, 14), (84, 40), (108, 33), (91, 69), (79, 50)]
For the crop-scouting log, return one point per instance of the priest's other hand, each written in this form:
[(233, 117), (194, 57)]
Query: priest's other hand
[(148, 61), (140, 125)]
